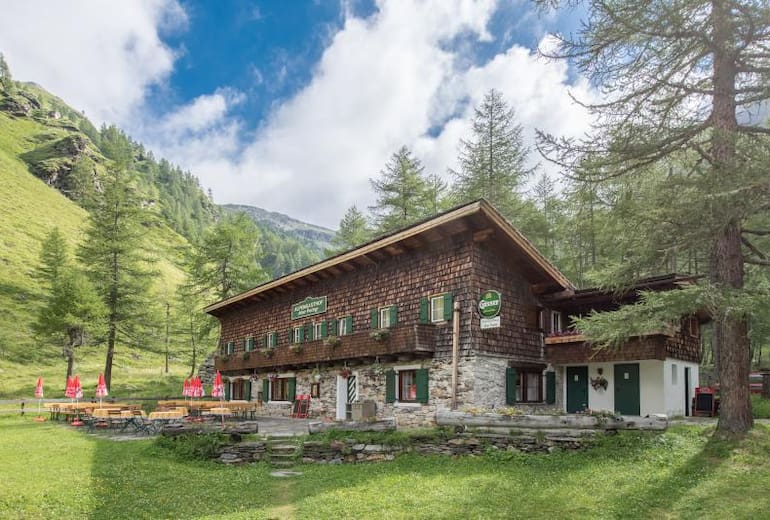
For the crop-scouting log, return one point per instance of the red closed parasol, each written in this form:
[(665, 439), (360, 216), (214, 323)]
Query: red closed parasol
[(39, 395)]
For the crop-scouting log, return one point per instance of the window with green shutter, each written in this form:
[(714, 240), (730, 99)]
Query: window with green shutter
[(265, 390), (511, 380), (441, 306), (230, 347), (374, 319), (227, 390), (273, 339), (390, 386), (385, 317), (324, 329)]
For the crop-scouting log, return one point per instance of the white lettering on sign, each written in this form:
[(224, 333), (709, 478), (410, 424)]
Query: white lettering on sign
[(490, 323), (490, 303)]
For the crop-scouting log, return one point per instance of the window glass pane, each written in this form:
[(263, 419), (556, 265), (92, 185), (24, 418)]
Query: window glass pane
[(385, 317), (342, 327), (533, 386), (437, 309), (407, 387), (296, 334), (279, 389), (316, 330)]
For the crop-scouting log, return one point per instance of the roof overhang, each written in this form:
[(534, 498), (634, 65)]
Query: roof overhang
[(479, 219)]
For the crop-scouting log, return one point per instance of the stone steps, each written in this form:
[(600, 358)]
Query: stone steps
[(281, 452)]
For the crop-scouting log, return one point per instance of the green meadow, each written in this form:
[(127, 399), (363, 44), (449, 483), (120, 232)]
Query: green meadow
[(51, 470)]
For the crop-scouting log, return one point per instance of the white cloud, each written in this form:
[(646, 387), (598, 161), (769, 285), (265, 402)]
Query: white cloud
[(383, 82), (98, 56)]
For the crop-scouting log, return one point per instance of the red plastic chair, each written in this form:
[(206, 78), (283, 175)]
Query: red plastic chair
[(301, 406)]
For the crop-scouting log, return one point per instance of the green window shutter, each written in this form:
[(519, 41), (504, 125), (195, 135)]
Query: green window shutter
[(309, 332), (448, 306), (323, 329), (265, 390), (550, 387), (292, 388), (374, 315), (251, 344), (332, 327), (263, 341), (390, 386), (423, 310), (247, 390), (393, 315), (421, 380), (227, 391), (291, 336), (301, 334), (275, 340), (510, 385), (349, 321)]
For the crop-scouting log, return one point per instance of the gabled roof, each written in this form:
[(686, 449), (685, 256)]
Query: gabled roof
[(478, 217)]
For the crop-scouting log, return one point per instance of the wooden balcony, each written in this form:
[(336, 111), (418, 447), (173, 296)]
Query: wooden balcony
[(418, 340)]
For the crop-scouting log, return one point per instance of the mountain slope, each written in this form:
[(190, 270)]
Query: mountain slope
[(287, 244)]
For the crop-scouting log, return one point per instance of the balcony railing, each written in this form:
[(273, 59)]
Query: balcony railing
[(406, 339), (565, 337)]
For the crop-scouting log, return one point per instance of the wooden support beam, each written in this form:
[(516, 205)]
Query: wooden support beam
[(483, 235)]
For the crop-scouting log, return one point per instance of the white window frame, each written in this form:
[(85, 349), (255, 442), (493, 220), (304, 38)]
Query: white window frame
[(398, 403), (270, 336), (316, 330), (246, 344), (295, 335), (342, 326), (433, 299), (384, 322)]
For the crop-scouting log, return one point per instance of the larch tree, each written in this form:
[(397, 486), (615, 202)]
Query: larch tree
[(493, 162), (401, 192), (115, 251), (682, 84)]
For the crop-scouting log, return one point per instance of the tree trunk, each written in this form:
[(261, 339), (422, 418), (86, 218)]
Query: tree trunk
[(732, 340), (730, 330), (112, 333)]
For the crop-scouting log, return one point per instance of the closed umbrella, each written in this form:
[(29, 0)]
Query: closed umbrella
[(101, 389), (39, 395), (78, 391), (218, 390), (69, 390)]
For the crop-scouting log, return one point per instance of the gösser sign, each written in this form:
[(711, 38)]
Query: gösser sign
[(489, 304), (308, 307)]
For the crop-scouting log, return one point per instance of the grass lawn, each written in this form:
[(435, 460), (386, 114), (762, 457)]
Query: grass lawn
[(52, 471)]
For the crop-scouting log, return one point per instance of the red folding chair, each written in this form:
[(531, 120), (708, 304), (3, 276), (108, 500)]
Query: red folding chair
[(301, 406)]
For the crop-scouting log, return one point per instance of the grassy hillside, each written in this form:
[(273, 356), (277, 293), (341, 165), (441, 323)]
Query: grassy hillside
[(28, 210)]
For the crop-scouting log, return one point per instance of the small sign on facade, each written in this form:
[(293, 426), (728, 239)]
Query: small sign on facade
[(490, 323), (308, 307), (490, 303)]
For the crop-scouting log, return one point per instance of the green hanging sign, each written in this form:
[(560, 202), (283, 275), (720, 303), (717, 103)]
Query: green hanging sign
[(489, 304), (308, 307)]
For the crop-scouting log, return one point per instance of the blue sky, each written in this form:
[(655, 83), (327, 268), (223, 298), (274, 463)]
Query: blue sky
[(294, 106)]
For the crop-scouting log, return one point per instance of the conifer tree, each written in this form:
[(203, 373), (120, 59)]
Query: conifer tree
[(493, 160), (401, 192), (226, 260), (116, 257), (70, 306), (681, 81), (353, 231)]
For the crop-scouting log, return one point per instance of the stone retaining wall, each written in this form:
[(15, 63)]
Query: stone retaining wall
[(350, 451)]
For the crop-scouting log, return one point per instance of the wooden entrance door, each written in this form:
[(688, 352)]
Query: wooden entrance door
[(627, 389), (577, 389)]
